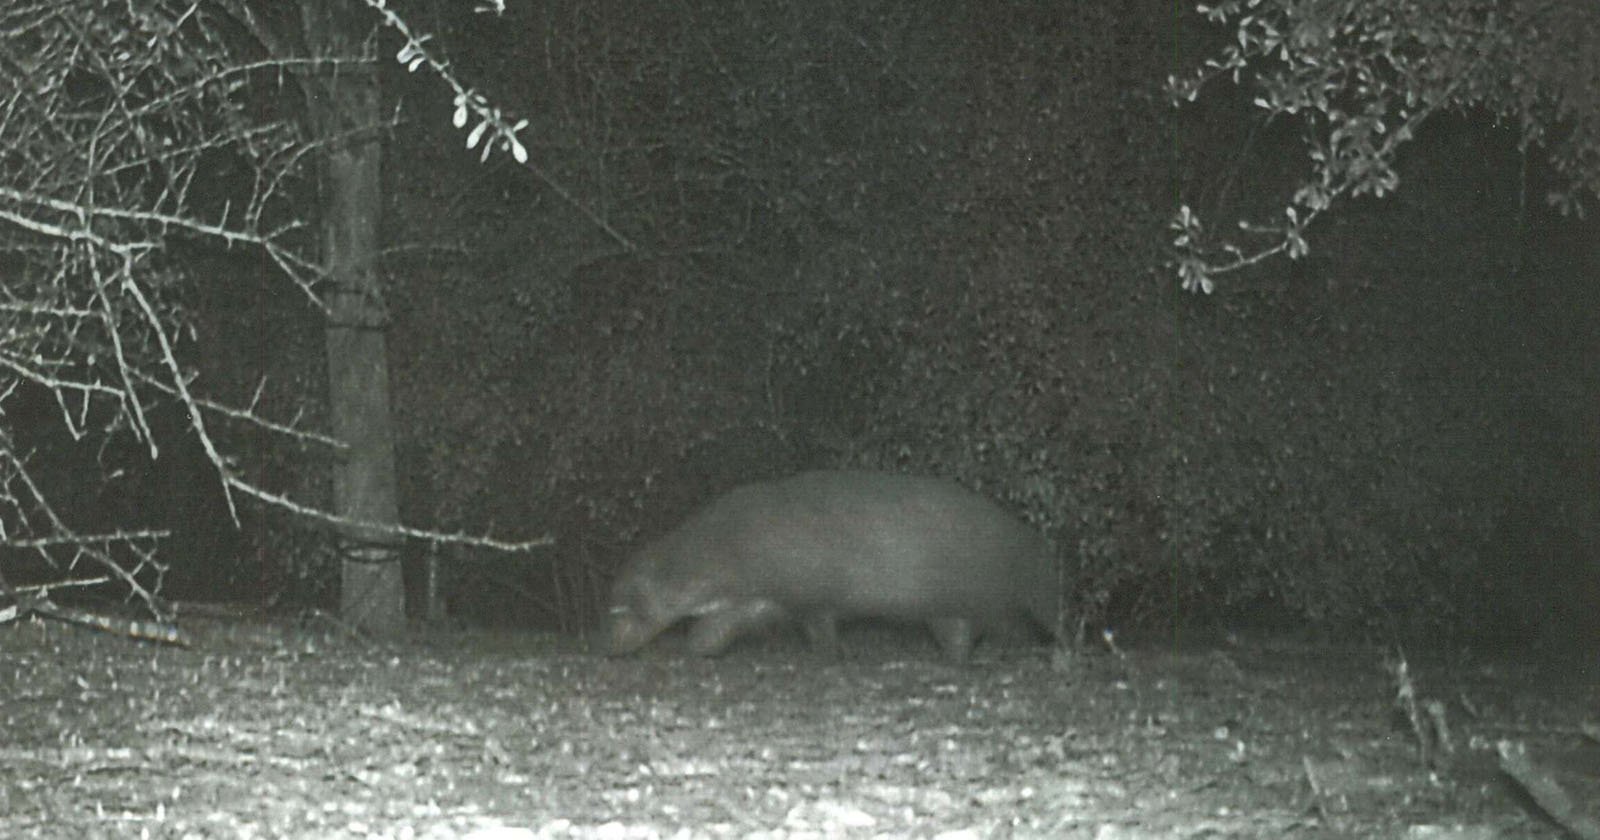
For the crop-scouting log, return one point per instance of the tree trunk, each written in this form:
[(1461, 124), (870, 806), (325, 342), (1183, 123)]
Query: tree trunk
[(343, 105)]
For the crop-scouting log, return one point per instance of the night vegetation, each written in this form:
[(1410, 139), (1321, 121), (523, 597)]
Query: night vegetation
[(705, 246), (1277, 319)]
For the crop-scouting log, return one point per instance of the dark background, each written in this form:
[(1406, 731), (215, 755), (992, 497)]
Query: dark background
[(869, 234)]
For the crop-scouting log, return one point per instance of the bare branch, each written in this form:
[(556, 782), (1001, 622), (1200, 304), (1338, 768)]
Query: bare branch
[(286, 503)]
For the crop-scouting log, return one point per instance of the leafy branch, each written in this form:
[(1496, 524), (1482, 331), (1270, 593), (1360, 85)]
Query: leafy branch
[(1361, 78), (491, 122)]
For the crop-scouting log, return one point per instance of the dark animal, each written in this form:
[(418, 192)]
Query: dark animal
[(824, 546)]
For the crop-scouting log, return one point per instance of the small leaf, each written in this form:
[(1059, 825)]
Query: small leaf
[(1297, 245), (477, 134), (1194, 275)]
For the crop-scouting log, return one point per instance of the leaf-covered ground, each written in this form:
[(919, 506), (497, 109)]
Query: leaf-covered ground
[(268, 730)]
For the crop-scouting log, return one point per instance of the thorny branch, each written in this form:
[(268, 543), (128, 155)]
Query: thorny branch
[(127, 130)]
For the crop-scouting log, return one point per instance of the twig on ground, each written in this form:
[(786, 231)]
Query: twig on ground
[(1549, 795)]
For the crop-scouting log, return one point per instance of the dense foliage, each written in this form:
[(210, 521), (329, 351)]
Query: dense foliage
[(733, 241), (852, 234)]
